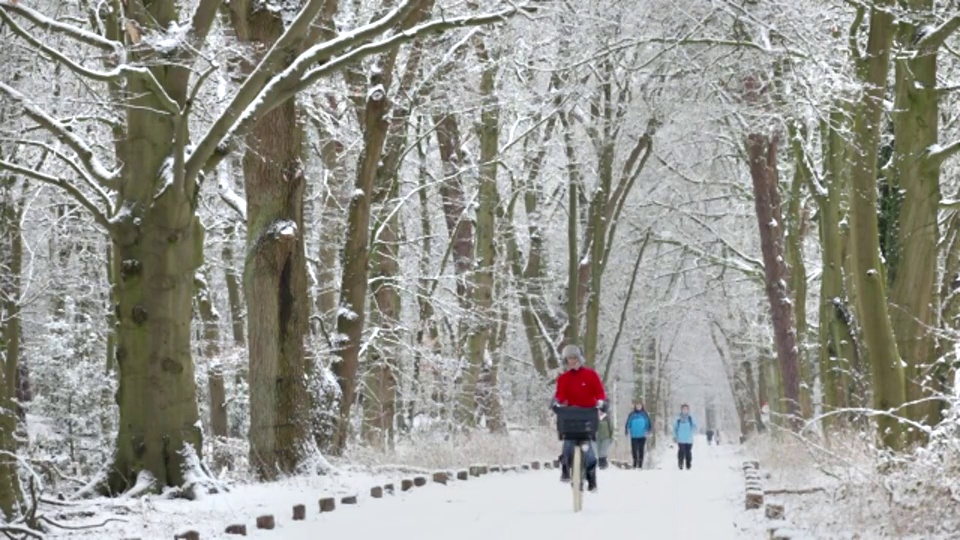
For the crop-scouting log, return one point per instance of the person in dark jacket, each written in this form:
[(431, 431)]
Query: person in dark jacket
[(637, 427)]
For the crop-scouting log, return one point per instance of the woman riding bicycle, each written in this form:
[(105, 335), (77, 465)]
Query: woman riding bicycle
[(579, 386)]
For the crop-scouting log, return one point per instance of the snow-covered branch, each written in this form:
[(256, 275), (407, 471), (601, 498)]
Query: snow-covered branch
[(938, 154), (237, 203), (934, 38), (77, 168), (746, 266), (248, 103), (61, 183), (113, 75), (299, 76), (46, 23), (84, 152)]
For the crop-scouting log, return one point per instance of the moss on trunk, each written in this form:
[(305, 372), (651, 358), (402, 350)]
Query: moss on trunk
[(915, 178), (888, 387)]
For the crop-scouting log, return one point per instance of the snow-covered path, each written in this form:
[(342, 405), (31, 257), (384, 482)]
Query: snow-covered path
[(652, 504)]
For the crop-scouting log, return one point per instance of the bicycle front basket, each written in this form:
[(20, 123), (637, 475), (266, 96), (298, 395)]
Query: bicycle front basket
[(578, 424)]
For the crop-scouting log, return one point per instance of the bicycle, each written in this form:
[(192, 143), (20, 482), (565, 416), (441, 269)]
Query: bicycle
[(578, 424)]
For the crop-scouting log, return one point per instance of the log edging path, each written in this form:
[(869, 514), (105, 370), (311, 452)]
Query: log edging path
[(778, 527), (326, 504)]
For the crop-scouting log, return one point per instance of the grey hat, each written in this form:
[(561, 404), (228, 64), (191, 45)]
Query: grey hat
[(572, 351)]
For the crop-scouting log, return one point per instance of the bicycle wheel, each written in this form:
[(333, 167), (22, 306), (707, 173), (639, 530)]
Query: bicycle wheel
[(576, 478)]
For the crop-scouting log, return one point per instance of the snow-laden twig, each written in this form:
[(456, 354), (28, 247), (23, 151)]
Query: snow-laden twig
[(299, 76), (248, 99), (46, 23), (84, 151), (113, 75), (78, 169), (71, 189), (230, 197), (870, 413)]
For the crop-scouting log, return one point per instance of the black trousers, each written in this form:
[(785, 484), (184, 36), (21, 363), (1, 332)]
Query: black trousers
[(684, 454), (637, 446)]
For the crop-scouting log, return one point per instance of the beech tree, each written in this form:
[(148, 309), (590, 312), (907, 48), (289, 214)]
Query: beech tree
[(144, 191)]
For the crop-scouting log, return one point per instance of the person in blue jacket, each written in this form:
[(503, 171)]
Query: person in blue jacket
[(637, 427), (683, 431)]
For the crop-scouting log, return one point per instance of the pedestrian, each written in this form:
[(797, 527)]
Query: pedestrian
[(683, 431), (717, 437), (604, 439), (638, 426), (709, 436)]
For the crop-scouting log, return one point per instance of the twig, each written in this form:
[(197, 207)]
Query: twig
[(47, 520), (801, 491)]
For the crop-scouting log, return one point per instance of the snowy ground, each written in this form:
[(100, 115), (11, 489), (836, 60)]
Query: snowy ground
[(705, 502)]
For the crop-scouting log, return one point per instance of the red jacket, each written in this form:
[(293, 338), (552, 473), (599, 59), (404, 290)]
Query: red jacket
[(580, 387)]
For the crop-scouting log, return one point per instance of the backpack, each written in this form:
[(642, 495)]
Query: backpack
[(689, 421)]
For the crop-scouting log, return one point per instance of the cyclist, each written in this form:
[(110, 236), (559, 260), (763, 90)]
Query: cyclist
[(578, 386)]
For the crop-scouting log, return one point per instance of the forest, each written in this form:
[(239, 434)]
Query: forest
[(246, 240)]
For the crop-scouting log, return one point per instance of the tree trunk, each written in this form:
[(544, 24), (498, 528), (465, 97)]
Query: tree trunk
[(482, 315), (380, 398), (428, 334), (331, 227), (158, 243), (455, 210), (353, 292), (210, 349), (916, 177), (11, 261), (950, 306), (762, 152), (572, 332), (793, 243), (11, 495), (491, 407), (888, 386), (234, 294), (275, 272), (837, 344)]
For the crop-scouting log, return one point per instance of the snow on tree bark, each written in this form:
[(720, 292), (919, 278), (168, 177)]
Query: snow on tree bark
[(762, 155), (275, 272)]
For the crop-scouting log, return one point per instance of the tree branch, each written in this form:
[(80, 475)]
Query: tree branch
[(113, 75), (297, 76), (247, 105), (81, 172), (71, 189), (51, 25), (934, 39), (626, 306), (86, 154), (940, 154), (203, 18)]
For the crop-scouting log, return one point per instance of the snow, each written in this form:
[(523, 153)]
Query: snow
[(166, 173), (705, 502), (347, 313), (376, 93), (283, 228), (172, 39)]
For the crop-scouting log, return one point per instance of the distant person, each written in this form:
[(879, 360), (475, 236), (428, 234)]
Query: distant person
[(604, 439), (638, 426), (683, 431), (709, 436), (717, 436)]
